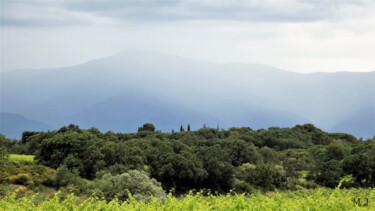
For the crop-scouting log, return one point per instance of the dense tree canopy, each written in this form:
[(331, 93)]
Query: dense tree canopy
[(217, 160)]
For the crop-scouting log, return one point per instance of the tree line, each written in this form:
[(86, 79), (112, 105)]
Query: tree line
[(239, 159)]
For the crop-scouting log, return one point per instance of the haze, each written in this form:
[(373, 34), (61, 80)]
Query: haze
[(296, 35)]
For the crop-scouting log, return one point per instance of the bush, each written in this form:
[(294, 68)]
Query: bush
[(66, 177), (3, 190), (241, 186), (21, 179), (137, 183)]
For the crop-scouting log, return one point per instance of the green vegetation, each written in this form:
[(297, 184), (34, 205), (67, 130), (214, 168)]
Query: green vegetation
[(320, 199), (148, 164), (22, 158), (26, 174)]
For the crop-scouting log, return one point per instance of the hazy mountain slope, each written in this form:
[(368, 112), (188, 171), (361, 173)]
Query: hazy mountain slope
[(335, 95), (231, 94), (128, 111), (12, 125), (360, 123)]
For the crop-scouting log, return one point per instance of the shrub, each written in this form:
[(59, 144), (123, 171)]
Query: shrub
[(20, 179), (137, 183)]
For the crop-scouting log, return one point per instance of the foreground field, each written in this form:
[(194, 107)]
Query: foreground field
[(21, 158), (319, 199)]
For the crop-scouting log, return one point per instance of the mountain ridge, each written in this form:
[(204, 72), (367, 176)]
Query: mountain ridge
[(12, 125), (214, 90)]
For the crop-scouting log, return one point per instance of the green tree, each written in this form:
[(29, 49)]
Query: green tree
[(216, 162), (269, 176), (361, 167), (147, 127), (3, 153), (53, 151), (175, 165), (241, 152), (336, 151), (247, 172), (66, 176), (70, 128), (328, 173)]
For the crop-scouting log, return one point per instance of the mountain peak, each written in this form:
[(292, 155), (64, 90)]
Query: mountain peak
[(136, 85)]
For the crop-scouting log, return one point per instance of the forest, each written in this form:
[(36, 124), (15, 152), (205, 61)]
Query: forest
[(152, 164)]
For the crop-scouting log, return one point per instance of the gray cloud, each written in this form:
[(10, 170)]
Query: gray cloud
[(78, 12), (44, 13), (245, 10)]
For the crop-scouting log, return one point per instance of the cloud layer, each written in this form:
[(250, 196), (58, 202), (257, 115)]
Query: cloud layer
[(70, 12), (297, 35)]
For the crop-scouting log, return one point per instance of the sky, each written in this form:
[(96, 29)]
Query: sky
[(297, 35)]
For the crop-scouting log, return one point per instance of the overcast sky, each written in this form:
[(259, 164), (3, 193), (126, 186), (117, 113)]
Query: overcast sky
[(296, 35)]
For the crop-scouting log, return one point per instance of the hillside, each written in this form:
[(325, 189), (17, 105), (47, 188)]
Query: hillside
[(124, 90), (361, 123), (12, 125)]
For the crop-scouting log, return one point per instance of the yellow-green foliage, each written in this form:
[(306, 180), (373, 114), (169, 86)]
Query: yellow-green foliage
[(318, 199), (25, 173), (21, 158), (20, 179)]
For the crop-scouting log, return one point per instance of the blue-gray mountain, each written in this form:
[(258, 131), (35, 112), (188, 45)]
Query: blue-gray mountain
[(12, 125), (123, 91)]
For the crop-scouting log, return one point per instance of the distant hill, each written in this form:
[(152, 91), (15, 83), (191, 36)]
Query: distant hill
[(12, 125), (128, 111), (359, 123), (122, 91)]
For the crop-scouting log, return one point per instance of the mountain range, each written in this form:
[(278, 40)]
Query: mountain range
[(123, 91)]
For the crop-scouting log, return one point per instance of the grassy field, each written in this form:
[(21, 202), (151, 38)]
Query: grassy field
[(318, 199), (22, 158)]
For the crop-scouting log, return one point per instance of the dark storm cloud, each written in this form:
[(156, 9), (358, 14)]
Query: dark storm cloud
[(39, 12)]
